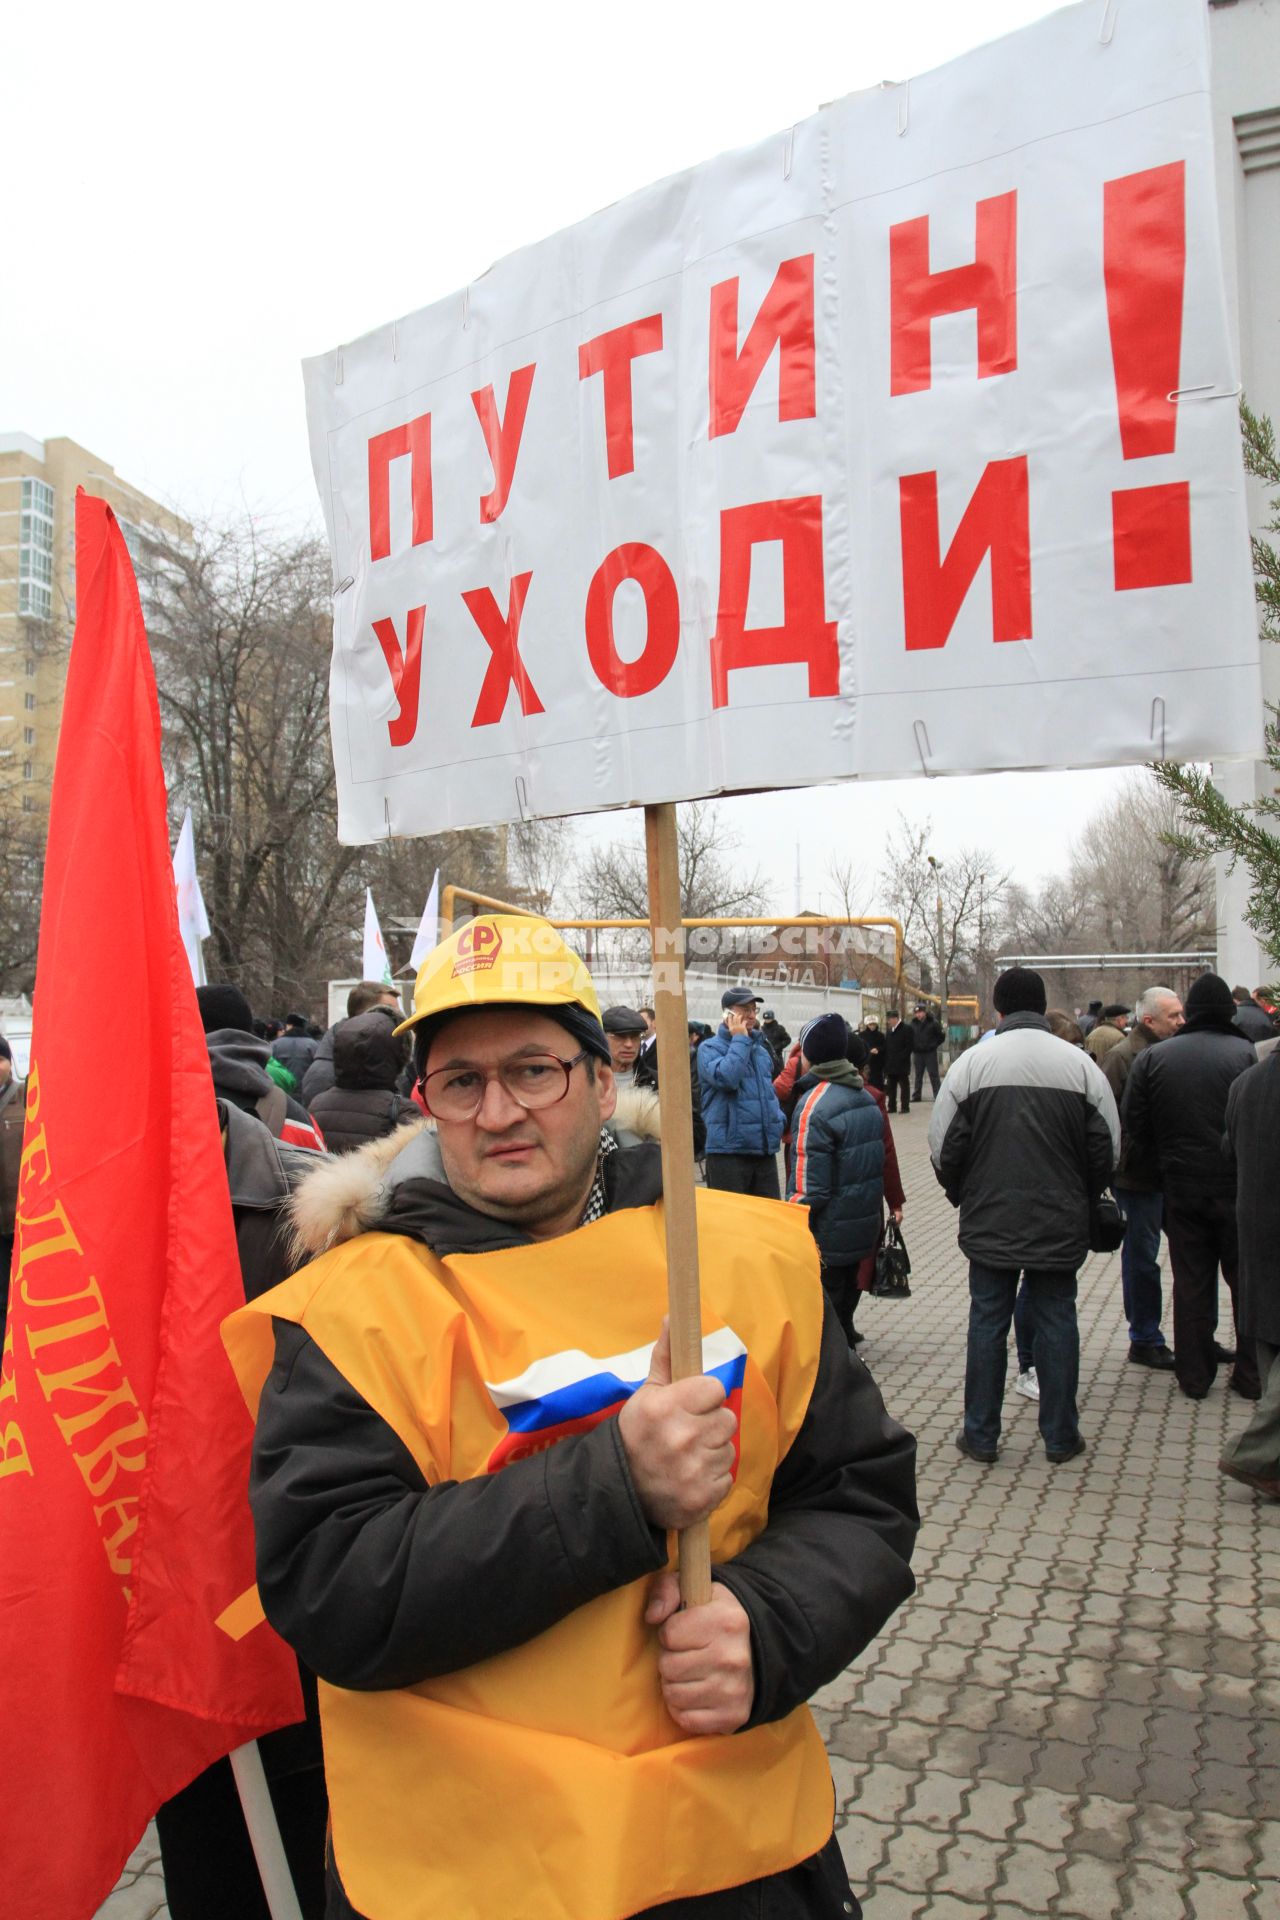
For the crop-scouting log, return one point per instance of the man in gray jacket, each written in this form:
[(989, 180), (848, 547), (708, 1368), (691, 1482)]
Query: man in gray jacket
[(1023, 1138)]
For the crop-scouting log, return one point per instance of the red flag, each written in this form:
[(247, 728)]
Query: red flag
[(124, 1442)]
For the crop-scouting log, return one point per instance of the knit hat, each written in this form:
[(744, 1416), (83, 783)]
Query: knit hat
[(1210, 994), (576, 1021), (824, 1038), (222, 1006), (1019, 990)]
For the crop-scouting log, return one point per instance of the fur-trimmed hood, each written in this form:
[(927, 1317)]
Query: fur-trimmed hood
[(353, 1193)]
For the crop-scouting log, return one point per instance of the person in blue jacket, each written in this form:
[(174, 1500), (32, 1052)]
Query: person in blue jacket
[(739, 1105)]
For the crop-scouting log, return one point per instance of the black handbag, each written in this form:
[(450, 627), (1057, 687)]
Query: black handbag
[(1106, 1224), (893, 1264)]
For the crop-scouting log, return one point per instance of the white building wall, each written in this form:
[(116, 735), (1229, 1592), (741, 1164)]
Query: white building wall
[(1245, 38)]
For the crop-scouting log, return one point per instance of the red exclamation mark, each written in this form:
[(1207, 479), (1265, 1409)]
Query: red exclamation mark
[(1144, 265)]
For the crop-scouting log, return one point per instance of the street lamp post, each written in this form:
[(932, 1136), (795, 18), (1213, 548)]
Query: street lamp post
[(942, 952)]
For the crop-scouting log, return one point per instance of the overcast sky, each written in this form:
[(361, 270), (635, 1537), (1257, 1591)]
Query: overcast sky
[(205, 195)]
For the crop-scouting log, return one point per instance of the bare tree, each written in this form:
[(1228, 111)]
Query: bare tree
[(22, 842), (613, 879), (542, 856), (1133, 884), (1149, 895), (971, 885), (24, 819), (239, 625), (848, 881), (239, 621)]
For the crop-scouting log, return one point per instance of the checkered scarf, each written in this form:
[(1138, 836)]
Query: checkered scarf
[(597, 1206)]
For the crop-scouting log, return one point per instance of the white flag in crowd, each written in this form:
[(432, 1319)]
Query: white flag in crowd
[(428, 934), (193, 921), (376, 966)]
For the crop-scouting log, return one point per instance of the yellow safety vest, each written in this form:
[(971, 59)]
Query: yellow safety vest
[(549, 1782)]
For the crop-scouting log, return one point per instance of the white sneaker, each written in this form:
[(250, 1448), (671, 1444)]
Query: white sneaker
[(1028, 1386)]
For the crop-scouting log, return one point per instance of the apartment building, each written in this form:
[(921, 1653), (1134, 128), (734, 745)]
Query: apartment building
[(38, 482)]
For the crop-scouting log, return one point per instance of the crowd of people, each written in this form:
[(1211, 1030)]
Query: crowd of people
[(473, 1451)]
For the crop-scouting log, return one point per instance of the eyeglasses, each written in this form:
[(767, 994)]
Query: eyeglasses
[(534, 1080)]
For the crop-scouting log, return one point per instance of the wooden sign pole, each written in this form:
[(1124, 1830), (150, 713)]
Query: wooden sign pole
[(684, 1302)]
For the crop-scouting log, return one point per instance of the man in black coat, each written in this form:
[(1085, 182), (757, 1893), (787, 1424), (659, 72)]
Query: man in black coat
[(775, 1034), (927, 1036), (1174, 1113), (899, 1046), (1253, 1127), (1250, 1019)]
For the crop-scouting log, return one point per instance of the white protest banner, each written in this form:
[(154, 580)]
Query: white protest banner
[(904, 441)]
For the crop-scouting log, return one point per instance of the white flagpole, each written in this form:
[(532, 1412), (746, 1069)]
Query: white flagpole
[(427, 937), (264, 1833), (193, 921), (375, 963)]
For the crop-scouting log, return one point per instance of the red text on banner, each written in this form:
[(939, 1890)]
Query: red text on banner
[(804, 636), (646, 566), (415, 441), (611, 354), (405, 667), (997, 521), (506, 669), (784, 321), (1144, 265), (502, 436), (988, 283)]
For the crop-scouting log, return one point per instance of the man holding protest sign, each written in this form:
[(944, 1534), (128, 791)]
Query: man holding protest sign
[(470, 1452)]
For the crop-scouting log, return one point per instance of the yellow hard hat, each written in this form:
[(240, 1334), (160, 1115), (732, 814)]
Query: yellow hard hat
[(501, 959)]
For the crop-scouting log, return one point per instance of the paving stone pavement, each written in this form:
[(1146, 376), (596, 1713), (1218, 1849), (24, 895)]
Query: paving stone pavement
[(1078, 1714), (1079, 1711)]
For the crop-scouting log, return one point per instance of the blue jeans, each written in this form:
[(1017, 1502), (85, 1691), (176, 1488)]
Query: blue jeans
[(1143, 1216), (1051, 1295), (1023, 1331)]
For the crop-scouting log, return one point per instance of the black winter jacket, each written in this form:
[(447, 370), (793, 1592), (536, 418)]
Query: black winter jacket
[(899, 1045), (295, 1051), (379, 1580), (318, 1077), (1253, 1127), (368, 1060), (1253, 1023), (1024, 1133), (926, 1035), (1175, 1106)]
